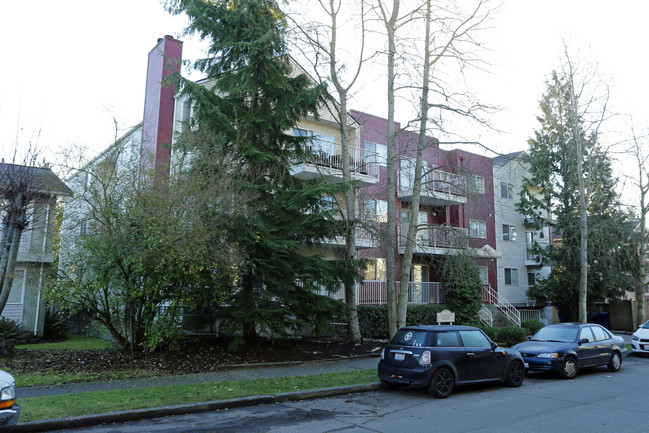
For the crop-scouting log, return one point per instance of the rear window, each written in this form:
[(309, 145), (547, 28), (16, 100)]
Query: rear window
[(410, 337)]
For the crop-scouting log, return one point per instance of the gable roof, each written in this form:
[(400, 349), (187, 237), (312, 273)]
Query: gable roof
[(41, 180), (502, 160)]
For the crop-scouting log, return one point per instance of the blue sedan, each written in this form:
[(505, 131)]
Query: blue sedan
[(565, 348)]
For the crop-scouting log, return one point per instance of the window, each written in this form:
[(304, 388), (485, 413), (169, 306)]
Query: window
[(484, 274), (474, 339), (376, 210), (531, 278), (511, 277), (586, 333), (476, 184), (327, 203), (478, 229), (509, 233), (600, 334), (375, 269), (448, 339), (506, 190), (320, 143), (407, 173), (381, 155), (406, 337)]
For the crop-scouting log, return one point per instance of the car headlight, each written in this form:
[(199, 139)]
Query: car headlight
[(635, 338), (548, 355), (383, 353), (8, 396)]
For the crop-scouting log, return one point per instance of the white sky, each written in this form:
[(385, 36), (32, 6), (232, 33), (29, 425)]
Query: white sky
[(70, 65)]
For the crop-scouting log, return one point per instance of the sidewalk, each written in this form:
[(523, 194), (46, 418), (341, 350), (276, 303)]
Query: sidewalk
[(238, 372)]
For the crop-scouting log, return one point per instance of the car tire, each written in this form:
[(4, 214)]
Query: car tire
[(515, 374), (389, 386), (442, 383), (616, 362), (569, 368)]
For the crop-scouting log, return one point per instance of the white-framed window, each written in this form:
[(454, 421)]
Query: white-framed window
[(375, 269), (407, 173), (376, 209), (531, 278), (506, 190), (476, 184), (509, 233), (478, 229), (381, 153), (511, 277)]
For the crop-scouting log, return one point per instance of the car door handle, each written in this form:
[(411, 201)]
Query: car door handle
[(470, 354)]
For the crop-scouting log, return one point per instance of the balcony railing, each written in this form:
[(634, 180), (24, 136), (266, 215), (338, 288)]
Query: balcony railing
[(439, 188), (434, 239), (532, 258), (373, 292), (326, 159)]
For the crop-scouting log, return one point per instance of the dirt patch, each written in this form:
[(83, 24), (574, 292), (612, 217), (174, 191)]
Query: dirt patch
[(197, 355)]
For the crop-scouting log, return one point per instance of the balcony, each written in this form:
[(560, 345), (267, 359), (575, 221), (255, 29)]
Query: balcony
[(435, 239), (374, 292), (363, 239), (532, 259), (326, 161), (440, 188)]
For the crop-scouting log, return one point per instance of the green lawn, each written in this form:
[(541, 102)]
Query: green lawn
[(68, 405)]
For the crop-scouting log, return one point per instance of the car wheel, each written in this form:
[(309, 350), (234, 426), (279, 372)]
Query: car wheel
[(616, 362), (515, 374), (569, 368), (390, 386), (442, 384)]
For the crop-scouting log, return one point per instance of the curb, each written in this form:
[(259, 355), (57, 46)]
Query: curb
[(182, 409)]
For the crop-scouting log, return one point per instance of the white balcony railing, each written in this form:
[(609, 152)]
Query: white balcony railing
[(438, 187), (374, 292), (326, 158), (435, 237)]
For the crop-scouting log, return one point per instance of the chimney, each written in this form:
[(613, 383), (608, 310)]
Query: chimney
[(157, 125)]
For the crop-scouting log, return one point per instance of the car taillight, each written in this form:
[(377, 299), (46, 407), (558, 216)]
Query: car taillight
[(425, 358)]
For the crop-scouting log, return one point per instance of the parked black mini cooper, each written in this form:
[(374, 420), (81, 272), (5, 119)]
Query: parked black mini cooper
[(441, 357)]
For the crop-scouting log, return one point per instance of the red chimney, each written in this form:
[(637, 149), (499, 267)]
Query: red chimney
[(157, 125)]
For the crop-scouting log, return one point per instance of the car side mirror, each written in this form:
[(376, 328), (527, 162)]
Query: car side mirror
[(528, 338), (583, 340), (493, 346)]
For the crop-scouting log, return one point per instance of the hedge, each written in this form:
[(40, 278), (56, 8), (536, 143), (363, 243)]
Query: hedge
[(373, 319)]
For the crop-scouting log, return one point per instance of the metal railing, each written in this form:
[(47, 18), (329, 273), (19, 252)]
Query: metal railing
[(436, 181), (328, 154), (374, 292), (486, 316), (530, 315), (490, 296), (436, 236)]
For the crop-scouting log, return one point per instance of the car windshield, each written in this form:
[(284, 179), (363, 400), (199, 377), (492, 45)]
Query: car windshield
[(410, 337), (560, 334), (646, 325)]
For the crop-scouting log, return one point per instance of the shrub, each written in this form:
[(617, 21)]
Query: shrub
[(54, 328), (9, 331), (373, 319), (461, 276), (507, 336), (532, 325)]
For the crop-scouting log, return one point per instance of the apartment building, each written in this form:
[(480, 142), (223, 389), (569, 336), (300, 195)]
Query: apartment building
[(35, 256), (516, 234), (456, 212)]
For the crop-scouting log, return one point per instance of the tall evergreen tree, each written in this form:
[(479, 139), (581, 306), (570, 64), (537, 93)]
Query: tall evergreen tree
[(249, 104), (551, 196)]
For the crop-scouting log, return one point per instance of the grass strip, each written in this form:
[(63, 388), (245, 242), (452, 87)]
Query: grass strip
[(69, 405), (45, 379)]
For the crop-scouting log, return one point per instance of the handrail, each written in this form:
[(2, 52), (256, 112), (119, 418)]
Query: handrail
[(486, 316), (490, 296)]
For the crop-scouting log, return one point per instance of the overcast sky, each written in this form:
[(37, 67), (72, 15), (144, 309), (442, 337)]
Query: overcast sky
[(69, 66)]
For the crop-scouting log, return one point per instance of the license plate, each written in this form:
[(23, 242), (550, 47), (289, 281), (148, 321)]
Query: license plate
[(399, 356)]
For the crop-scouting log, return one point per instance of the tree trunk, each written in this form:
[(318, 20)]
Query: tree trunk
[(14, 224), (583, 217), (413, 223)]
